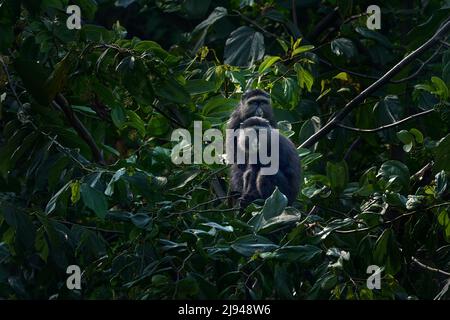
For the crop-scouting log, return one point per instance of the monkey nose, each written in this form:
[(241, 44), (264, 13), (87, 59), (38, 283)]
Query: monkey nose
[(259, 112)]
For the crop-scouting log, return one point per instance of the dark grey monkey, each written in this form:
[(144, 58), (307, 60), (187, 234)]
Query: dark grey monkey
[(247, 182)]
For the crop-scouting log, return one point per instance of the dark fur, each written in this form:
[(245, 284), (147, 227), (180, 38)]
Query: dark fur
[(246, 180)]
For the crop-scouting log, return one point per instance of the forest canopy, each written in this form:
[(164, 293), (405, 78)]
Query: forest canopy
[(87, 178)]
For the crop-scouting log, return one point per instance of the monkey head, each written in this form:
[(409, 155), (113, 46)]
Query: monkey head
[(255, 103), (251, 131)]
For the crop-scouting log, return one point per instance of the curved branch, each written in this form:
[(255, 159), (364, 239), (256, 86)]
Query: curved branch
[(394, 124), (376, 85), (61, 103)]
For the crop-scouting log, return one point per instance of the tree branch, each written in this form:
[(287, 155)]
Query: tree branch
[(268, 33), (420, 174), (331, 125), (327, 21), (367, 76), (394, 124), (294, 13), (354, 144), (61, 103), (421, 264), (389, 222)]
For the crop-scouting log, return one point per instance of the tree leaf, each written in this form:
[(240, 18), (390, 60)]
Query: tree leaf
[(252, 244), (94, 200), (343, 46), (244, 47), (442, 154), (273, 206), (267, 63)]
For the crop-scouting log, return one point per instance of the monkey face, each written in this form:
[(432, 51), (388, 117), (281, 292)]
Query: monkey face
[(256, 103)]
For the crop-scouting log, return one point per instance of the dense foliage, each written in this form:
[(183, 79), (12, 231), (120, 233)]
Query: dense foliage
[(86, 177)]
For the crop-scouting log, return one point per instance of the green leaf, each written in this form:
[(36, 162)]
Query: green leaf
[(304, 77), (75, 191), (273, 206), (308, 128), (303, 254), (218, 226), (88, 8), (343, 46), (153, 47), (442, 154), (244, 47), (395, 169), (441, 183), (374, 35), (342, 76), (141, 220), (219, 106), (196, 8), (171, 90), (200, 86), (96, 33), (94, 200), (51, 205), (267, 63), (59, 77), (124, 3), (387, 253), (158, 125), (285, 93), (20, 221), (252, 244), (116, 177), (218, 13), (136, 122), (118, 116), (407, 138), (441, 88), (444, 220), (301, 50), (337, 173), (417, 135)]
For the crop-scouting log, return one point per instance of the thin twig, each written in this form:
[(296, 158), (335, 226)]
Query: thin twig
[(352, 147), (419, 174), (423, 265), (331, 125), (393, 220), (394, 124), (323, 24), (354, 17), (88, 227), (268, 33), (367, 76)]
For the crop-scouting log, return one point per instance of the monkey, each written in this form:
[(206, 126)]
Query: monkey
[(247, 179)]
